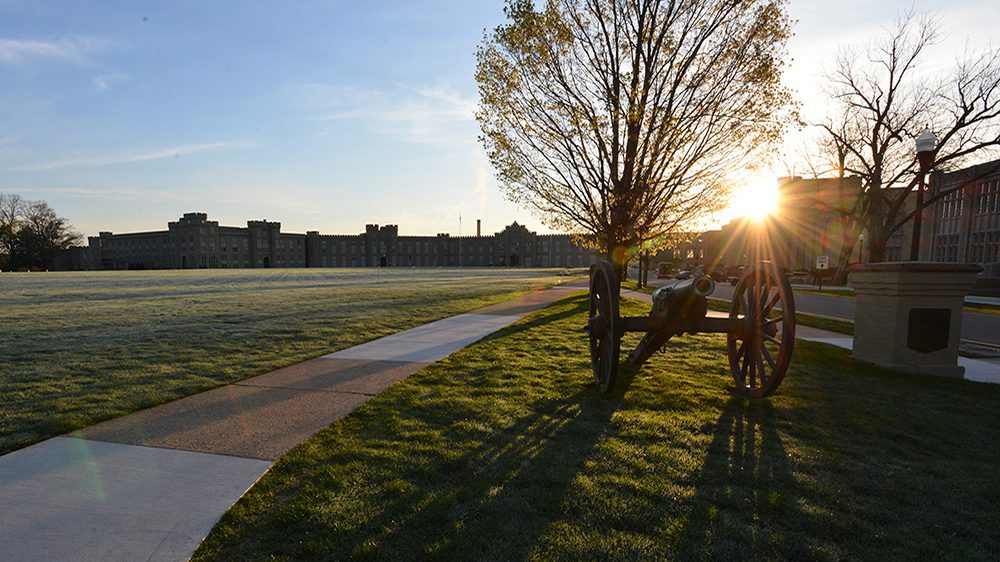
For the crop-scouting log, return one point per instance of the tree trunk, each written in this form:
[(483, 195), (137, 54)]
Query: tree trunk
[(843, 262), (617, 259), (876, 249), (645, 270)]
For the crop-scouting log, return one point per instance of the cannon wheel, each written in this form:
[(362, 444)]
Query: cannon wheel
[(760, 352), (604, 325)]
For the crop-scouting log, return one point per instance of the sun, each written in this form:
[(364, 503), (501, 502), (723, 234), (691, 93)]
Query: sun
[(756, 200)]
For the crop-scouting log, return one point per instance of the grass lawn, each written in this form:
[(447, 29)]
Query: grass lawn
[(504, 451), (968, 307), (827, 292), (78, 348), (981, 307), (801, 318)]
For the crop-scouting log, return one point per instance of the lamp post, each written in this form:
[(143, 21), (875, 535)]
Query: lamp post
[(926, 145), (861, 248)]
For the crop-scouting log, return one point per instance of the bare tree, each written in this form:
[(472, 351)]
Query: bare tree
[(883, 103), (12, 209), (624, 119)]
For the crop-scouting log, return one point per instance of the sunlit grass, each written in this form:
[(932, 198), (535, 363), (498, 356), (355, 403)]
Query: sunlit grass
[(504, 451), (77, 348)]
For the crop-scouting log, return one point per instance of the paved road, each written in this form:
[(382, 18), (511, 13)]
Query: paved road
[(976, 326)]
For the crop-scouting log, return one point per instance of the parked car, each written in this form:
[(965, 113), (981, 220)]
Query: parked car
[(734, 274), (799, 276), (663, 270), (684, 274)]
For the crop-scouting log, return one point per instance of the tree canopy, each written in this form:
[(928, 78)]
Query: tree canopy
[(624, 120), (31, 233)]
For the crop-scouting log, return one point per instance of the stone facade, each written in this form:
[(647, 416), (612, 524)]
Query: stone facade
[(909, 315), (194, 242)]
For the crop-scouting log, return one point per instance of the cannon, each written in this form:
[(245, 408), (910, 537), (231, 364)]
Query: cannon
[(760, 326)]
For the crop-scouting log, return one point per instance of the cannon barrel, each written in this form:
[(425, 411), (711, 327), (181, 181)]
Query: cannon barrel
[(680, 297), (676, 309)]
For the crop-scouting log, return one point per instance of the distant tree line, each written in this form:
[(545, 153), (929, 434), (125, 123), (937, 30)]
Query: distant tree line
[(31, 233)]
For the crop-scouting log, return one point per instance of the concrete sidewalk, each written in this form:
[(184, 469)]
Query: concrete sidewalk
[(150, 485)]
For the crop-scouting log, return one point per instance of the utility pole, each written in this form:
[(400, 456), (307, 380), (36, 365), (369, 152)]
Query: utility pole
[(460, 240)]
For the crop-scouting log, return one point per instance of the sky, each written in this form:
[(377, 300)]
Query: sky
[(123, 115)]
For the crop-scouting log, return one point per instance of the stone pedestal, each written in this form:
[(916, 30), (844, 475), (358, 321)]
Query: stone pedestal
[(909, 315)]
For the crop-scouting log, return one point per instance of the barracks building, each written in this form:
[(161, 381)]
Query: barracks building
[(194, 242)]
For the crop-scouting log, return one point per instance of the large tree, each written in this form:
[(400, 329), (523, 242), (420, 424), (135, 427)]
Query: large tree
[(624, 120), (38, 234), (12, 208), (882, 102)]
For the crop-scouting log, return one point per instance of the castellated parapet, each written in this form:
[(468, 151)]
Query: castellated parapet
[(195, 242)]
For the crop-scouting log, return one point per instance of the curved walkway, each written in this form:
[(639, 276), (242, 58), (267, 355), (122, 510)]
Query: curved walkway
[(150, 485)]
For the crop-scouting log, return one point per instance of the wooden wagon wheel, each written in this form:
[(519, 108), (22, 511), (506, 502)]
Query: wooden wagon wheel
[(761, 350), (604, 325)]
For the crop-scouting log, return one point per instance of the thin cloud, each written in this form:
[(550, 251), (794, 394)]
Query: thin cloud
[(74, 48), (103, 82), (436, 114), (329, 96), (125, 158), (109, 194)]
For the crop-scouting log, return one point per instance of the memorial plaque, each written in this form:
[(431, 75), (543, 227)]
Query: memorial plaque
[(928, 329)]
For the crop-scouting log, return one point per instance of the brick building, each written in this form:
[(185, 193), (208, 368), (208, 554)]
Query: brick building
[(964, 226)]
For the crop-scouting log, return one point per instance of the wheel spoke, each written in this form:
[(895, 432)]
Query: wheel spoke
[(767, 355), (742, 349), (770, 304), (762, 370), (773, 321), (765, 291), (772, 339)]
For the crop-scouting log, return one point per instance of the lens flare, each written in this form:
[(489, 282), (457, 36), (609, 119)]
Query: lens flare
[(757, 200)]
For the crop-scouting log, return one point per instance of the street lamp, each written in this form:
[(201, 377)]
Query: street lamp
[(861, 248), (926, 145)]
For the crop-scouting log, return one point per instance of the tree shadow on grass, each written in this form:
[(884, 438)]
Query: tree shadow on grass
[(547, 315), (745, 494), (469, 459), (497, 500), (892, 465)]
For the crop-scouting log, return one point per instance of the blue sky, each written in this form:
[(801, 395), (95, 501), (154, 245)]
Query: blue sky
[(322, 115)]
